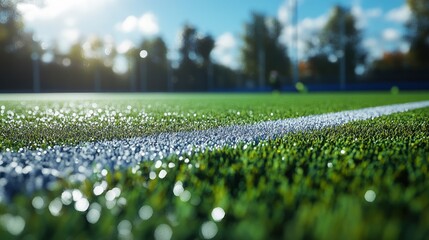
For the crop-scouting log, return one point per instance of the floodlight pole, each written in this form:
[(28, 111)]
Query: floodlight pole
[(261, 56), (132, 73), (143, 76), (97, 78), (170, 76), (295, 22), (210, 76), (36, 72), (343, 50), (261, 61)]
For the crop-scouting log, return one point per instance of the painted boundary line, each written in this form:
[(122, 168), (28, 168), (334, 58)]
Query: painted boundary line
[(29, 170)]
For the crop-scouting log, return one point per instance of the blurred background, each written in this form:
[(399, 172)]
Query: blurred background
[(215, 46)]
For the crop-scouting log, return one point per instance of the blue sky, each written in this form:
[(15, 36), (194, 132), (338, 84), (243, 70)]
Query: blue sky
[(124, 23)]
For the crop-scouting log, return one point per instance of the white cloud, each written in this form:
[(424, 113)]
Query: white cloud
[(146, 24), (226, 50), (399, 15), (307, 28), (52, 9), (71, 35), (226, 41), (389, 41), (283, 14), (390, 34), (374, 12), (312, 24), (374, 47), (129, 24), (285, 11), (60, 19), (365, 15), (68, 37)]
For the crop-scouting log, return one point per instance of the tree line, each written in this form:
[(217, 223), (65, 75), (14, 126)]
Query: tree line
[(334, 55)]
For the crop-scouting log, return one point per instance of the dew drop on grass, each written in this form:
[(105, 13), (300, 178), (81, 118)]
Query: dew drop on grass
[(122, 202), (218, 214), (98, 190), (185, 196), (66, 197), (163, 232), (77, 195), (158, 164), (94, 213), (124, 228), (113, 194), (13, 224), (81, 205), (178, 189), (38, 202), (209, 230), (55, 207), (171, 165), (370, 195), (162, 174), (145, 212)]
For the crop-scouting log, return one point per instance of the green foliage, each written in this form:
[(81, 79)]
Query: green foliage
[(339, 37), (193, 71), (363, 180), (418, 32), (262, 47)]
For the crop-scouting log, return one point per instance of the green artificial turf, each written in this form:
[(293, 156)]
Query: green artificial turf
[(39, 121), (363, 180)]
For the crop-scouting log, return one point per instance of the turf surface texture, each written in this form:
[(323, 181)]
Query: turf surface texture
[(365, 179)]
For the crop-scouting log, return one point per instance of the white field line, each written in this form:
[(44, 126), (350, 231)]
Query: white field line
[(28, 170)]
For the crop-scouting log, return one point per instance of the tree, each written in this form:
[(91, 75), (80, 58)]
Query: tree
[(95, 51), (195, 63), (204, 47), (418, 32), (187, 71), (262, 52), (153, 65), (339, 42), (16, 47), (12, 35)]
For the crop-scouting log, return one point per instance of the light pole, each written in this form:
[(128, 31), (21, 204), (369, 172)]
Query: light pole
[(210, 76), (131, 70), (261, 53), (171, 61), (143, 69), (36, 70), (343, 52), (295, 22)]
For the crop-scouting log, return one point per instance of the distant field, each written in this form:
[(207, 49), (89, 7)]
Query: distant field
[(365, 179)]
